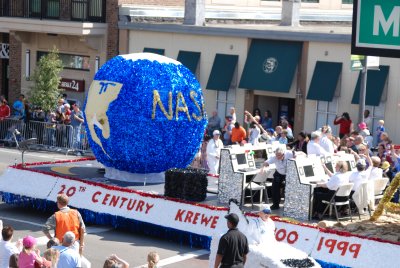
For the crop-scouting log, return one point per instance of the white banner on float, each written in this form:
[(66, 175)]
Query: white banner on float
[(146, 208), (355, 252), (300, 237)]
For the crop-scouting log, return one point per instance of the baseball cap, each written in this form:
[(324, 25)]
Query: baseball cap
[(216, 132), (266, 209), (361, 162), (232, 218), (29, 241), (362, 125)]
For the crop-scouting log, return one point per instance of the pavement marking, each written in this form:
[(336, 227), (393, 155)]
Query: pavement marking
[(179, 258)]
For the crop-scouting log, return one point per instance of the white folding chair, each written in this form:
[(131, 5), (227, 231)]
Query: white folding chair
[(257, 183), (379, 188), (342, 191)]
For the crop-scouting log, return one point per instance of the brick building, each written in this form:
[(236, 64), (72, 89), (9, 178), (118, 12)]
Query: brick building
[(84, 32)]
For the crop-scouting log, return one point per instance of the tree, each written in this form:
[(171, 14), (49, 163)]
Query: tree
[(46, 78)]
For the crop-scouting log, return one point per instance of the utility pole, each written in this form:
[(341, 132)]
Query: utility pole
[(363, 90)]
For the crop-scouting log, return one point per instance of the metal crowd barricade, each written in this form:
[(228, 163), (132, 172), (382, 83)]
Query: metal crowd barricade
[(50, 136)]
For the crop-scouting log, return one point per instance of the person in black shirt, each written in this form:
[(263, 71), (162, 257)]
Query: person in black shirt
[(233, 246)]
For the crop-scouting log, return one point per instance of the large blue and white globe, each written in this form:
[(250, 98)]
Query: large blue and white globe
[(144, 113)]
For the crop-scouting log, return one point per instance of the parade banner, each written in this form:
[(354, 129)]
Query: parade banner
[(329, 246)]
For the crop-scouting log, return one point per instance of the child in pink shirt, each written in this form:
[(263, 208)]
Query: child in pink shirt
[(30, 255)]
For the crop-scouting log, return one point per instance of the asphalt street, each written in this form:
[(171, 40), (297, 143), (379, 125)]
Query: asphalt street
[(101, 241)]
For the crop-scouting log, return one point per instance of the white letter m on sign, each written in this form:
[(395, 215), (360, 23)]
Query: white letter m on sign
[(379, 19)]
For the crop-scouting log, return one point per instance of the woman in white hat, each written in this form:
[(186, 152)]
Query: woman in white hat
[(214, 147)]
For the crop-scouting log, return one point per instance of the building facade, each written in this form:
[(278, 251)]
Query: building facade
[(301, 73), (84, 32)]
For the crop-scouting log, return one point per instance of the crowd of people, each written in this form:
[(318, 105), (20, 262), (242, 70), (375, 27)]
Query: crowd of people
[(374, 159), (64, 249), (62, 126)]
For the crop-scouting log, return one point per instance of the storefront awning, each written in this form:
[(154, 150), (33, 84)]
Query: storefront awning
[(324, 80), (158, 51), (190, 59), (222, 71), (375, 84), (271, 65)]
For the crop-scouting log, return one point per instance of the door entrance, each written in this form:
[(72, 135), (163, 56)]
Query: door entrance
[(4, 77), (277, 106)]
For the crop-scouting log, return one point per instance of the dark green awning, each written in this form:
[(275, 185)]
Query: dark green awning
[(158, 51), (222, 72), (271, 65), (376, 80), (324, 80), (190, 59)]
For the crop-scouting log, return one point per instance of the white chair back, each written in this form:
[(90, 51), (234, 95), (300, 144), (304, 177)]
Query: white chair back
[(261, 176), (344, 190), (380, 185)]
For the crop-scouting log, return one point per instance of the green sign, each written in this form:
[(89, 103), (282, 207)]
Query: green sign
[(376, 27)]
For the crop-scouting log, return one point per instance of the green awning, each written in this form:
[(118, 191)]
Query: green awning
[(190, 59), (158, 51), (222, 71), (271, 65), (324, 80), (376, 80)]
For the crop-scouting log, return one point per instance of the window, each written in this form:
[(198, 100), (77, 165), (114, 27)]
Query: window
[(70, 61), (53, 9), (227, 99), (310, 1), (326, 113), (347, 2)]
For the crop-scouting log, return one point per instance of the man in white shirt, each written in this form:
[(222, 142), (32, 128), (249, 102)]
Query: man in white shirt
[(280, 160), (7, 248), (313, 147), (326, 142), (359, 176), (69, 257)]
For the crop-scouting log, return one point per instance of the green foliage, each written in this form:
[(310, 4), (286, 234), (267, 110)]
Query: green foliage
[(46, 78)]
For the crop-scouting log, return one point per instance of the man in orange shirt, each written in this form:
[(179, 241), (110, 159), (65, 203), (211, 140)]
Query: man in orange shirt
[(64, 220), (238, 133)]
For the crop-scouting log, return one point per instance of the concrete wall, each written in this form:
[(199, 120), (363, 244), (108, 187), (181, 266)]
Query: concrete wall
[(323, 4), (65, 44), (225, 45)]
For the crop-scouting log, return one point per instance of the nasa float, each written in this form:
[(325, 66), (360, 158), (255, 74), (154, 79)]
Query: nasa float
[(145, 114)]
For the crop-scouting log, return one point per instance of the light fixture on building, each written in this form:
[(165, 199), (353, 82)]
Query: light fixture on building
[(97, 64), (27, 64)]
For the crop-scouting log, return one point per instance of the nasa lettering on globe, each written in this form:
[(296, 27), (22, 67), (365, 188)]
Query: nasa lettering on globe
[(144, 113)]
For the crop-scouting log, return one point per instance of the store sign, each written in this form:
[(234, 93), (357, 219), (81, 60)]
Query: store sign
[(376, 28), (72, 85), (4, 51)]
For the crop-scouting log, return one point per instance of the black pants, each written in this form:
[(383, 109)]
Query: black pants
[(240, 265), (277, 183), (324, 194)]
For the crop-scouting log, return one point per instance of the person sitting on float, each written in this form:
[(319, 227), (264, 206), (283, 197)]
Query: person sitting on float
[(325, 191)]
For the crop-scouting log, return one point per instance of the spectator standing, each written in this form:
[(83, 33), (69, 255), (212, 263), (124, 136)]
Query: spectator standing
[(233, 246), (385, 140), (31, 255), (367, 119), (19, 107), (214, 123), (267, 120), (232, 112), (7, 248), (53, 256), (5, 111), (379, 130), (76, 123), (363, 129), (227, 130), (115, 262), (283, 139), (238, 133), (69, 257), (64, 220), (280, 160), (254, 134), (289, 132), (214, 147), (345, 124)]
